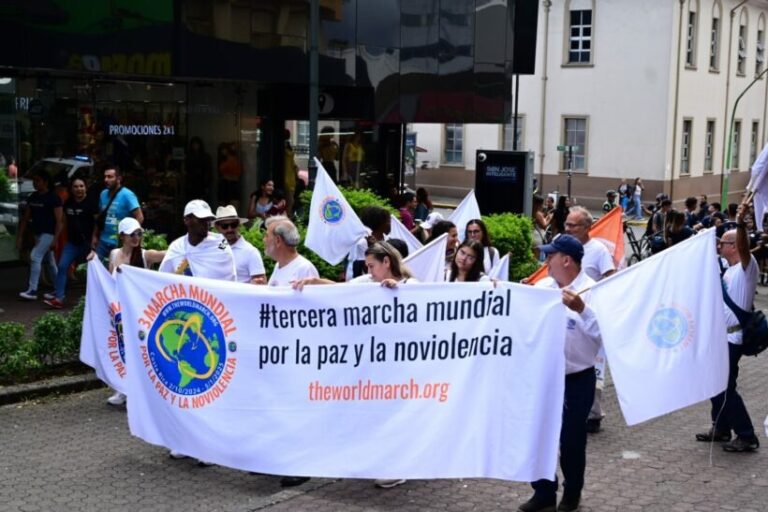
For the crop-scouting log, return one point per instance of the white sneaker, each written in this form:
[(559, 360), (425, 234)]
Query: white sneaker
[(388, 484), (117, 399), (28, 295), (49, 296)]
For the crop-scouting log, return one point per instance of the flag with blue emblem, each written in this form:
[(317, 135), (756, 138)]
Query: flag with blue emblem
[(400, 232), (334, 228), (666, 340)]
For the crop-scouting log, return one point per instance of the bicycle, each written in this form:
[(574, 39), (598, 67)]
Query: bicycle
[(640, 248)]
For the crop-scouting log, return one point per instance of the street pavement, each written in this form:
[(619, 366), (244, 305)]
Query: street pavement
[(75, 453)]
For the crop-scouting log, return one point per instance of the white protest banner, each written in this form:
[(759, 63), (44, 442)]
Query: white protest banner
[(101, 343), (501, 270), (428, 263), (334, 227), (325, 382), (401, 232), (666, 343), (758, 184), (467, 210)]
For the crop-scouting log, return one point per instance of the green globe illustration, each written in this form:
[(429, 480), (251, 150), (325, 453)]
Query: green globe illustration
[(667, 328), (187, 347)]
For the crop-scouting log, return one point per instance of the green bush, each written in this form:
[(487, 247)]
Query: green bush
[(155, 241), (48, 342), (5, 186), (73, 329), (16, 351), (511, 233)]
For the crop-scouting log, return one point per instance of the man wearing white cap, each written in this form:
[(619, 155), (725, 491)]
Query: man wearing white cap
[(200, 253), (250, 266)]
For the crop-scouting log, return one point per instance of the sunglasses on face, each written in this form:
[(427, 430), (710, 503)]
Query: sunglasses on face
[(228, 225), (136, 234)]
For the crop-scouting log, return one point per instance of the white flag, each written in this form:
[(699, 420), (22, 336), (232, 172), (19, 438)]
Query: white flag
[(759, 185), (334, 227), (501, 270), (101, 344), (666, 345), (467, 210), (401, 232), (428, 263)]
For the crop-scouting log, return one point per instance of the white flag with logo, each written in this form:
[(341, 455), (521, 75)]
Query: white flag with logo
[(334, 227), (501, 270), (101, 344), (401, 232), (666, 345), (467, 210), (428, 263)]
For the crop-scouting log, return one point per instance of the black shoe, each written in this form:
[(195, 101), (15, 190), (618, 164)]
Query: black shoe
[(713, 435), (569, 503), (293, 481), (593, 426), (742, 444), (534, 505)]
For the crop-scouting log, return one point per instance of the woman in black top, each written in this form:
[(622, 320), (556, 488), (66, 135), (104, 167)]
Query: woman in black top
[(79, 217)]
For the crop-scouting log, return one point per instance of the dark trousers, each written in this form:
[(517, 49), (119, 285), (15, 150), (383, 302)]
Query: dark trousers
[(734, 415), (579, 394)]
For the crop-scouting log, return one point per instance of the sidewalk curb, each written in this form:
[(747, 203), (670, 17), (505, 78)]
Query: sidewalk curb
[(58, 385)]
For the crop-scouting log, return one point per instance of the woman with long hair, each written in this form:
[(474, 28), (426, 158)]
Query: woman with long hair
[(477, 230), (445, 226), (130, 252), (423, 204), (467, 265), (557, 223), (261, 200)]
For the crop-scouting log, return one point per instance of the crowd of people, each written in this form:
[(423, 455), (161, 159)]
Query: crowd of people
[(111, 229)]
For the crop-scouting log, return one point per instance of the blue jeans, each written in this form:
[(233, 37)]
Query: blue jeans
[(638, 208), (70, 253), (579, 393), (624, 203), (734, 416), (41, 252), (102, 251)]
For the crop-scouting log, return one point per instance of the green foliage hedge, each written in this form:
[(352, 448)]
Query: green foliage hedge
[(511, 233)]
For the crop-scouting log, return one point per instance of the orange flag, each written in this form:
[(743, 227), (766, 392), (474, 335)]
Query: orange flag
[(609, 230)]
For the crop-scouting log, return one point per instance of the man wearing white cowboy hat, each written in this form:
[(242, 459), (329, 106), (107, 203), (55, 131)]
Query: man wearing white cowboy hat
[(200, 253), (250, 266)]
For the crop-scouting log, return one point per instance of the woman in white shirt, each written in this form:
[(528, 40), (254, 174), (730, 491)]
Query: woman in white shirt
[(476, 230), (467, 265)]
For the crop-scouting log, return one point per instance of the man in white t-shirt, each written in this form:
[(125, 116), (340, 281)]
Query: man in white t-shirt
[(250, 266), (597, 264), (199, 253), (740, 280), (280, 242)]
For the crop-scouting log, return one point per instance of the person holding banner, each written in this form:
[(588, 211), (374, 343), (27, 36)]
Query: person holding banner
[(280, 242), (379, 221), (476, 230), (467, 265), (445, 226), (740, 283), (582, 342)]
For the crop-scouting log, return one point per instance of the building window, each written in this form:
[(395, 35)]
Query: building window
[(753, 138), (760, 47), (302, 137), (580, 37), (735, 147), (508, 146), (714, 39), (454, 144), (690, 41), (709, 144), (741, 63), (685, 149), (575, 134)]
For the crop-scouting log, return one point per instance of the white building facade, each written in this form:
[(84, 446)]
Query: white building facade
[(644, 88)]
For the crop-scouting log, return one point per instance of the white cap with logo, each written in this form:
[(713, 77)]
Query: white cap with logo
[(128, 226), (199, 209)]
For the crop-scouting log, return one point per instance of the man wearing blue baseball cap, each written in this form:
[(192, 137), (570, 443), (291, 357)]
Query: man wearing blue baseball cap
[(582, 341)]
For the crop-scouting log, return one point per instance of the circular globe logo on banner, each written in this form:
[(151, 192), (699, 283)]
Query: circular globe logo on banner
[(669, 327), (331, 210), (186, 347), (117, 324)]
